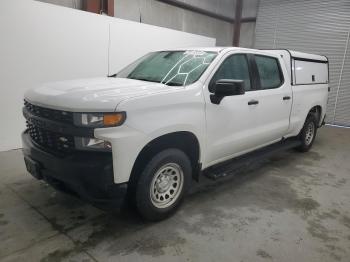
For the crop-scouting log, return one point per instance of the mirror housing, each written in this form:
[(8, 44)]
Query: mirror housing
[(226, 87)]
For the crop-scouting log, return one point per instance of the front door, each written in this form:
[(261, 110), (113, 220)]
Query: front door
[(231, 123)]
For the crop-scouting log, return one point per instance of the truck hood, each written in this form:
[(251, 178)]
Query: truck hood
[(92, 95)]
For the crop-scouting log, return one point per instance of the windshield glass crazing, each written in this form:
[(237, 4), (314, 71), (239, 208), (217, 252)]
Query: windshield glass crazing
[(176, 68)]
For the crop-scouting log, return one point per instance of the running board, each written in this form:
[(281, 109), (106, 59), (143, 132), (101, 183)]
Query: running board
[(228, 167)]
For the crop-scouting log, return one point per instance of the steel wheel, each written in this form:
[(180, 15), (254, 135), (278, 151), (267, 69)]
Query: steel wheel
[(166, 185), (309, 134)]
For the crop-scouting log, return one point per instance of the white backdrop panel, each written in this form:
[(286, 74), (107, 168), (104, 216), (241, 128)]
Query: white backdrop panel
[(41, 43)]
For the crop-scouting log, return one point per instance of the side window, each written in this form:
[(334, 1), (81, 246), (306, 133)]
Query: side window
[(269, 71), (234, 67)]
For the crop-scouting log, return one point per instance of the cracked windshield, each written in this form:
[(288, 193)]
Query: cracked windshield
[(176, 68)]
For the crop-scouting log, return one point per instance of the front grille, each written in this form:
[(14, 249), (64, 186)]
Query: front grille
[(52, 114), (51, 140)]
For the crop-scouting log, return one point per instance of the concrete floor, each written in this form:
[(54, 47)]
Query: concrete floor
[(292, 207)]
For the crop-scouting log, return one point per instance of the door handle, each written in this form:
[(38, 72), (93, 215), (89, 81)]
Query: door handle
[(286, 98), (253, 102)]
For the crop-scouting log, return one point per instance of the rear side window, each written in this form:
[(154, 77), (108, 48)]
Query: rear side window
[(269, 72), (235, 67)]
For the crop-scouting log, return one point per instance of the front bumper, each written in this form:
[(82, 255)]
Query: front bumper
[(87, 174)]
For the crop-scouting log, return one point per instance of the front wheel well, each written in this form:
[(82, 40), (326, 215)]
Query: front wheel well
[(183, 140)]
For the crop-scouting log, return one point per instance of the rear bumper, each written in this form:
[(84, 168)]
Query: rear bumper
[(87, 174)]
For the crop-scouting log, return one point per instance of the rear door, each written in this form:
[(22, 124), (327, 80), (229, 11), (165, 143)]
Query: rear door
[(274, 98)]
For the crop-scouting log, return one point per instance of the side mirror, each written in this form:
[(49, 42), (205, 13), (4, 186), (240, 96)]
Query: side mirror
[(226, 87)]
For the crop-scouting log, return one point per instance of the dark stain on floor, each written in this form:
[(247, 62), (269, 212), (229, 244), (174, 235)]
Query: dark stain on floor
[(3, 222), (346, 221), (306, 205), (317, 230), (56, 256), (149, 245), (263, 254)]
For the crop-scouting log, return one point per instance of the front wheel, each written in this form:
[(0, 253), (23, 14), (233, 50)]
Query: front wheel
[(308, 133), (162, 184)]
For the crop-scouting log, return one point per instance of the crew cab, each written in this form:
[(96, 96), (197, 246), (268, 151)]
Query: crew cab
[(144, 134)]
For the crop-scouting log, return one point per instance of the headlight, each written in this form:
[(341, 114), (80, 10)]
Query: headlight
[(99, 119), (87, 143)]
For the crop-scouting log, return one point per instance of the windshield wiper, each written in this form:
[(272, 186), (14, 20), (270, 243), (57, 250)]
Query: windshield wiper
[(173, 84), (143, 79), (149, 80)]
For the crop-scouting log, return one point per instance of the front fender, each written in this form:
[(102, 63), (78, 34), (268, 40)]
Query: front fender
[(151, 117)]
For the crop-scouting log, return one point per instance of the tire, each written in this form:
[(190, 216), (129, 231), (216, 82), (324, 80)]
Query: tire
[(163, 184), (308, 134)]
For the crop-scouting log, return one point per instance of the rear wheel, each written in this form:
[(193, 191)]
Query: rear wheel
[(308, 133), (162, 184)]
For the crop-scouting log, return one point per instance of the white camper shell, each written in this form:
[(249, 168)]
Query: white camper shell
[(304, 68)]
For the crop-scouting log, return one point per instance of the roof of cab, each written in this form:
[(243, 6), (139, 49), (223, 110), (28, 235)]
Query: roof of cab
[(220, 49), (209, 49)]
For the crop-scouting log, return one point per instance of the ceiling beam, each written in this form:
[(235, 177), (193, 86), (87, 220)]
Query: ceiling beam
[(110, 7), (205, 12), (99, 6), (238, 21)]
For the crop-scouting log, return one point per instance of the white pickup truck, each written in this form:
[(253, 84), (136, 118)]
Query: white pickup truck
[(146, 133)]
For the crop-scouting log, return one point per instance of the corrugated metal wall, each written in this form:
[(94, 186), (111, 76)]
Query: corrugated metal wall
[(320, 27)]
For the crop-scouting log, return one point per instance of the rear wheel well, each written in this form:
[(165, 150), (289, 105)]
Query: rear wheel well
[(184, 141), (317, 111)]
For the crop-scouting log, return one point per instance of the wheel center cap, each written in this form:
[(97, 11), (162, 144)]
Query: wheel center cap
[(163, 184)]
